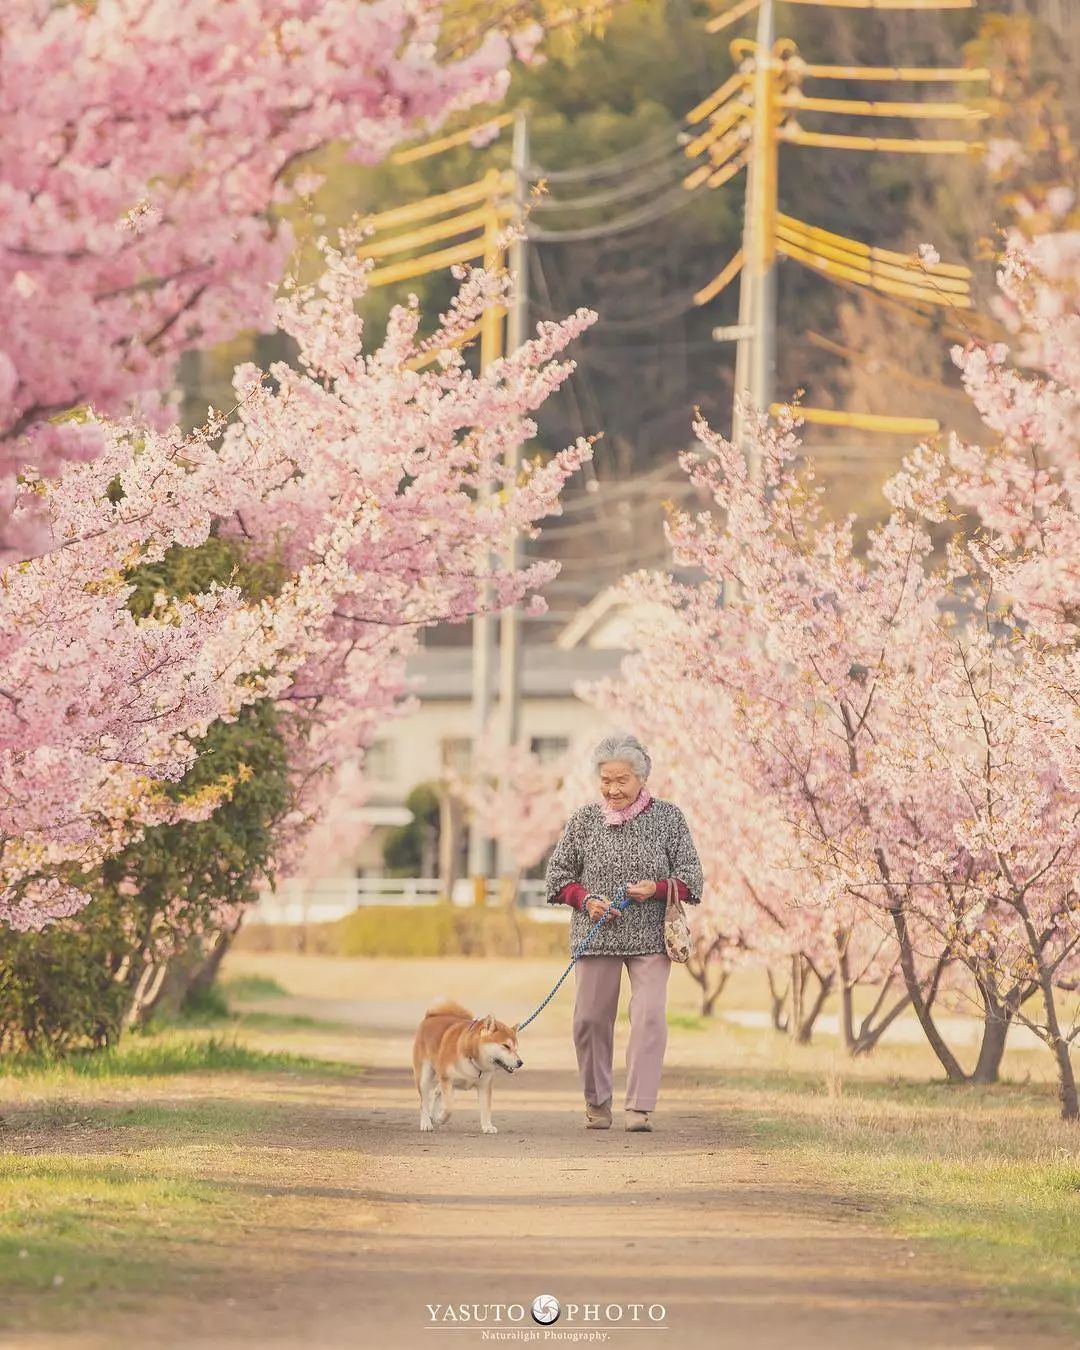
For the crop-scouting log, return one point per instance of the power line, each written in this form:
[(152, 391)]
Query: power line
[(588, 469), (662, 314), (664, 206), (654, 148), (653, 178)]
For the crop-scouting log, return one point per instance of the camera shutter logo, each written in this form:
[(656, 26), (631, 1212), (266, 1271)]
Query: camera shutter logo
[(545, 1309)]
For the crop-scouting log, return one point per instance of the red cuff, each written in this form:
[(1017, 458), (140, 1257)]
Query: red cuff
[(681, 890), (573, 894)]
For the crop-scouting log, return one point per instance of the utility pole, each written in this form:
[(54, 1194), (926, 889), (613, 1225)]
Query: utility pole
[(483, 655), (510, 635), (755, 362)]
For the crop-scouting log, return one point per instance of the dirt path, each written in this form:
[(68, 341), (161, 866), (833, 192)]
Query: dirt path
[(368, 1222)]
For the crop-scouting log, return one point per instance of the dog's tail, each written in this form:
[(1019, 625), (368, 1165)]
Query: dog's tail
[(444, 1006)]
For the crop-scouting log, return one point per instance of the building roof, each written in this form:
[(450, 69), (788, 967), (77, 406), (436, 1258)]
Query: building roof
[(445, 673)]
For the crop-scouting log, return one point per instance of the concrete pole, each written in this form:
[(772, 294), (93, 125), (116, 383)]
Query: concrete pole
[(483, 662), (516, 326), (755, 365)]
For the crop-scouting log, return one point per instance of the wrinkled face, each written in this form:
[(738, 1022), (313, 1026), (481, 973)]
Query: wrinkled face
[(619, 784), (499, 1047)]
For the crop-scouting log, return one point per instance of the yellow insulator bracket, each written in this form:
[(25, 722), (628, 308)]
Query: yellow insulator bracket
[(720, 122), (893, 426), (949, 279), (898, 74), (720, 22), (793, 134), (721, 281), (431, 234), (716, 98), (815, 233), (428, 262), (949, 289), (847, 107), (441, 203), (449, 142), (887, 4), (462, 340), (724, 175), (864, 274)]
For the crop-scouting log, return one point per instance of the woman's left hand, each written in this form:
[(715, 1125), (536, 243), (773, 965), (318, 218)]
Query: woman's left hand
[(641, 890)]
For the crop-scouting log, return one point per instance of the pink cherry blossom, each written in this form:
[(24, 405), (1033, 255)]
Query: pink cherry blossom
[(354, 471), (145, 143), (885, 736)]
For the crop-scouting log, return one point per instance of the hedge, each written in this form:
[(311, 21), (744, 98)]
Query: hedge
[(413, 930)]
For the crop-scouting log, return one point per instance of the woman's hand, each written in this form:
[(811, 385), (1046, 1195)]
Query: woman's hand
[(641, 890), (598, 905)]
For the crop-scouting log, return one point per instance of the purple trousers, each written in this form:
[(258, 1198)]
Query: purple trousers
[(596, 1004)]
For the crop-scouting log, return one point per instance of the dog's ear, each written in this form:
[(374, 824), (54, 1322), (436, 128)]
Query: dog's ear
[(489, 1023)]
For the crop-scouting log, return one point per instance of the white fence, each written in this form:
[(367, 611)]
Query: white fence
[(321, 900)]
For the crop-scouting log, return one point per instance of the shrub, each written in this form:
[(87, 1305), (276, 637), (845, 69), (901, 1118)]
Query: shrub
[(57, 989)]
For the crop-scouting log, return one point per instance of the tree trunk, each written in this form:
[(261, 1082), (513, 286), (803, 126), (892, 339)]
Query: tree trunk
[(699, 966), (806, 1027), (1070, 1106), (798, 974), (778, 1002), (948, 1061), (996, 1023), (868, 1036), (146, 992), (863, 1040), (208, 972), (449, 840), (847, 1002), (709, 997), (186, 972), (508, 892)]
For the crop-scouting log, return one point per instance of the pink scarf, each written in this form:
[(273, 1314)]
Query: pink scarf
[(620, 817)]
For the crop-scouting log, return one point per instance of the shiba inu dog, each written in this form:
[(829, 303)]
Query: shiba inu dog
[(454, 1049)]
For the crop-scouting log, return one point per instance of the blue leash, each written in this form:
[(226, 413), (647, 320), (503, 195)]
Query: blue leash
[(620, 902)]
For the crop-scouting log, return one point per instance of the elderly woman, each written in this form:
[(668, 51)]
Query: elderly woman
[(627, 838)]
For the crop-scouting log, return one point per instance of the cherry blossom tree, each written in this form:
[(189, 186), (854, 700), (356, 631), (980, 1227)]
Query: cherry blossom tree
[(761, 907), (810, 645), (358, 473), (908, 712), (1013, 683), (149, 150), (99, 708), (400, 454), (522, 799)]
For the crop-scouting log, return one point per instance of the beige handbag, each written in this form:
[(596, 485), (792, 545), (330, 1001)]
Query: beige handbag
[(677, 941)]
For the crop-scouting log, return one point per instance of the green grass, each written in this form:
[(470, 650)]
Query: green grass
[(161, 1053), (990, 1175), (109, 1187), (76, 1225), (253, 986), (265, 1021)]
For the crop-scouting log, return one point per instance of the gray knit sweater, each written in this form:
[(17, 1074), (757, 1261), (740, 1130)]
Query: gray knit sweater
[(654, 845)]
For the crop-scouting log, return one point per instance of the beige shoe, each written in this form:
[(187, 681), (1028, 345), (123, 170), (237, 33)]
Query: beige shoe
[(598, 1117), (636, 1121)]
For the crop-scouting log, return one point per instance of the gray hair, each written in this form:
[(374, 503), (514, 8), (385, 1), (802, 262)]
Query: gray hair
[(625, 747)]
